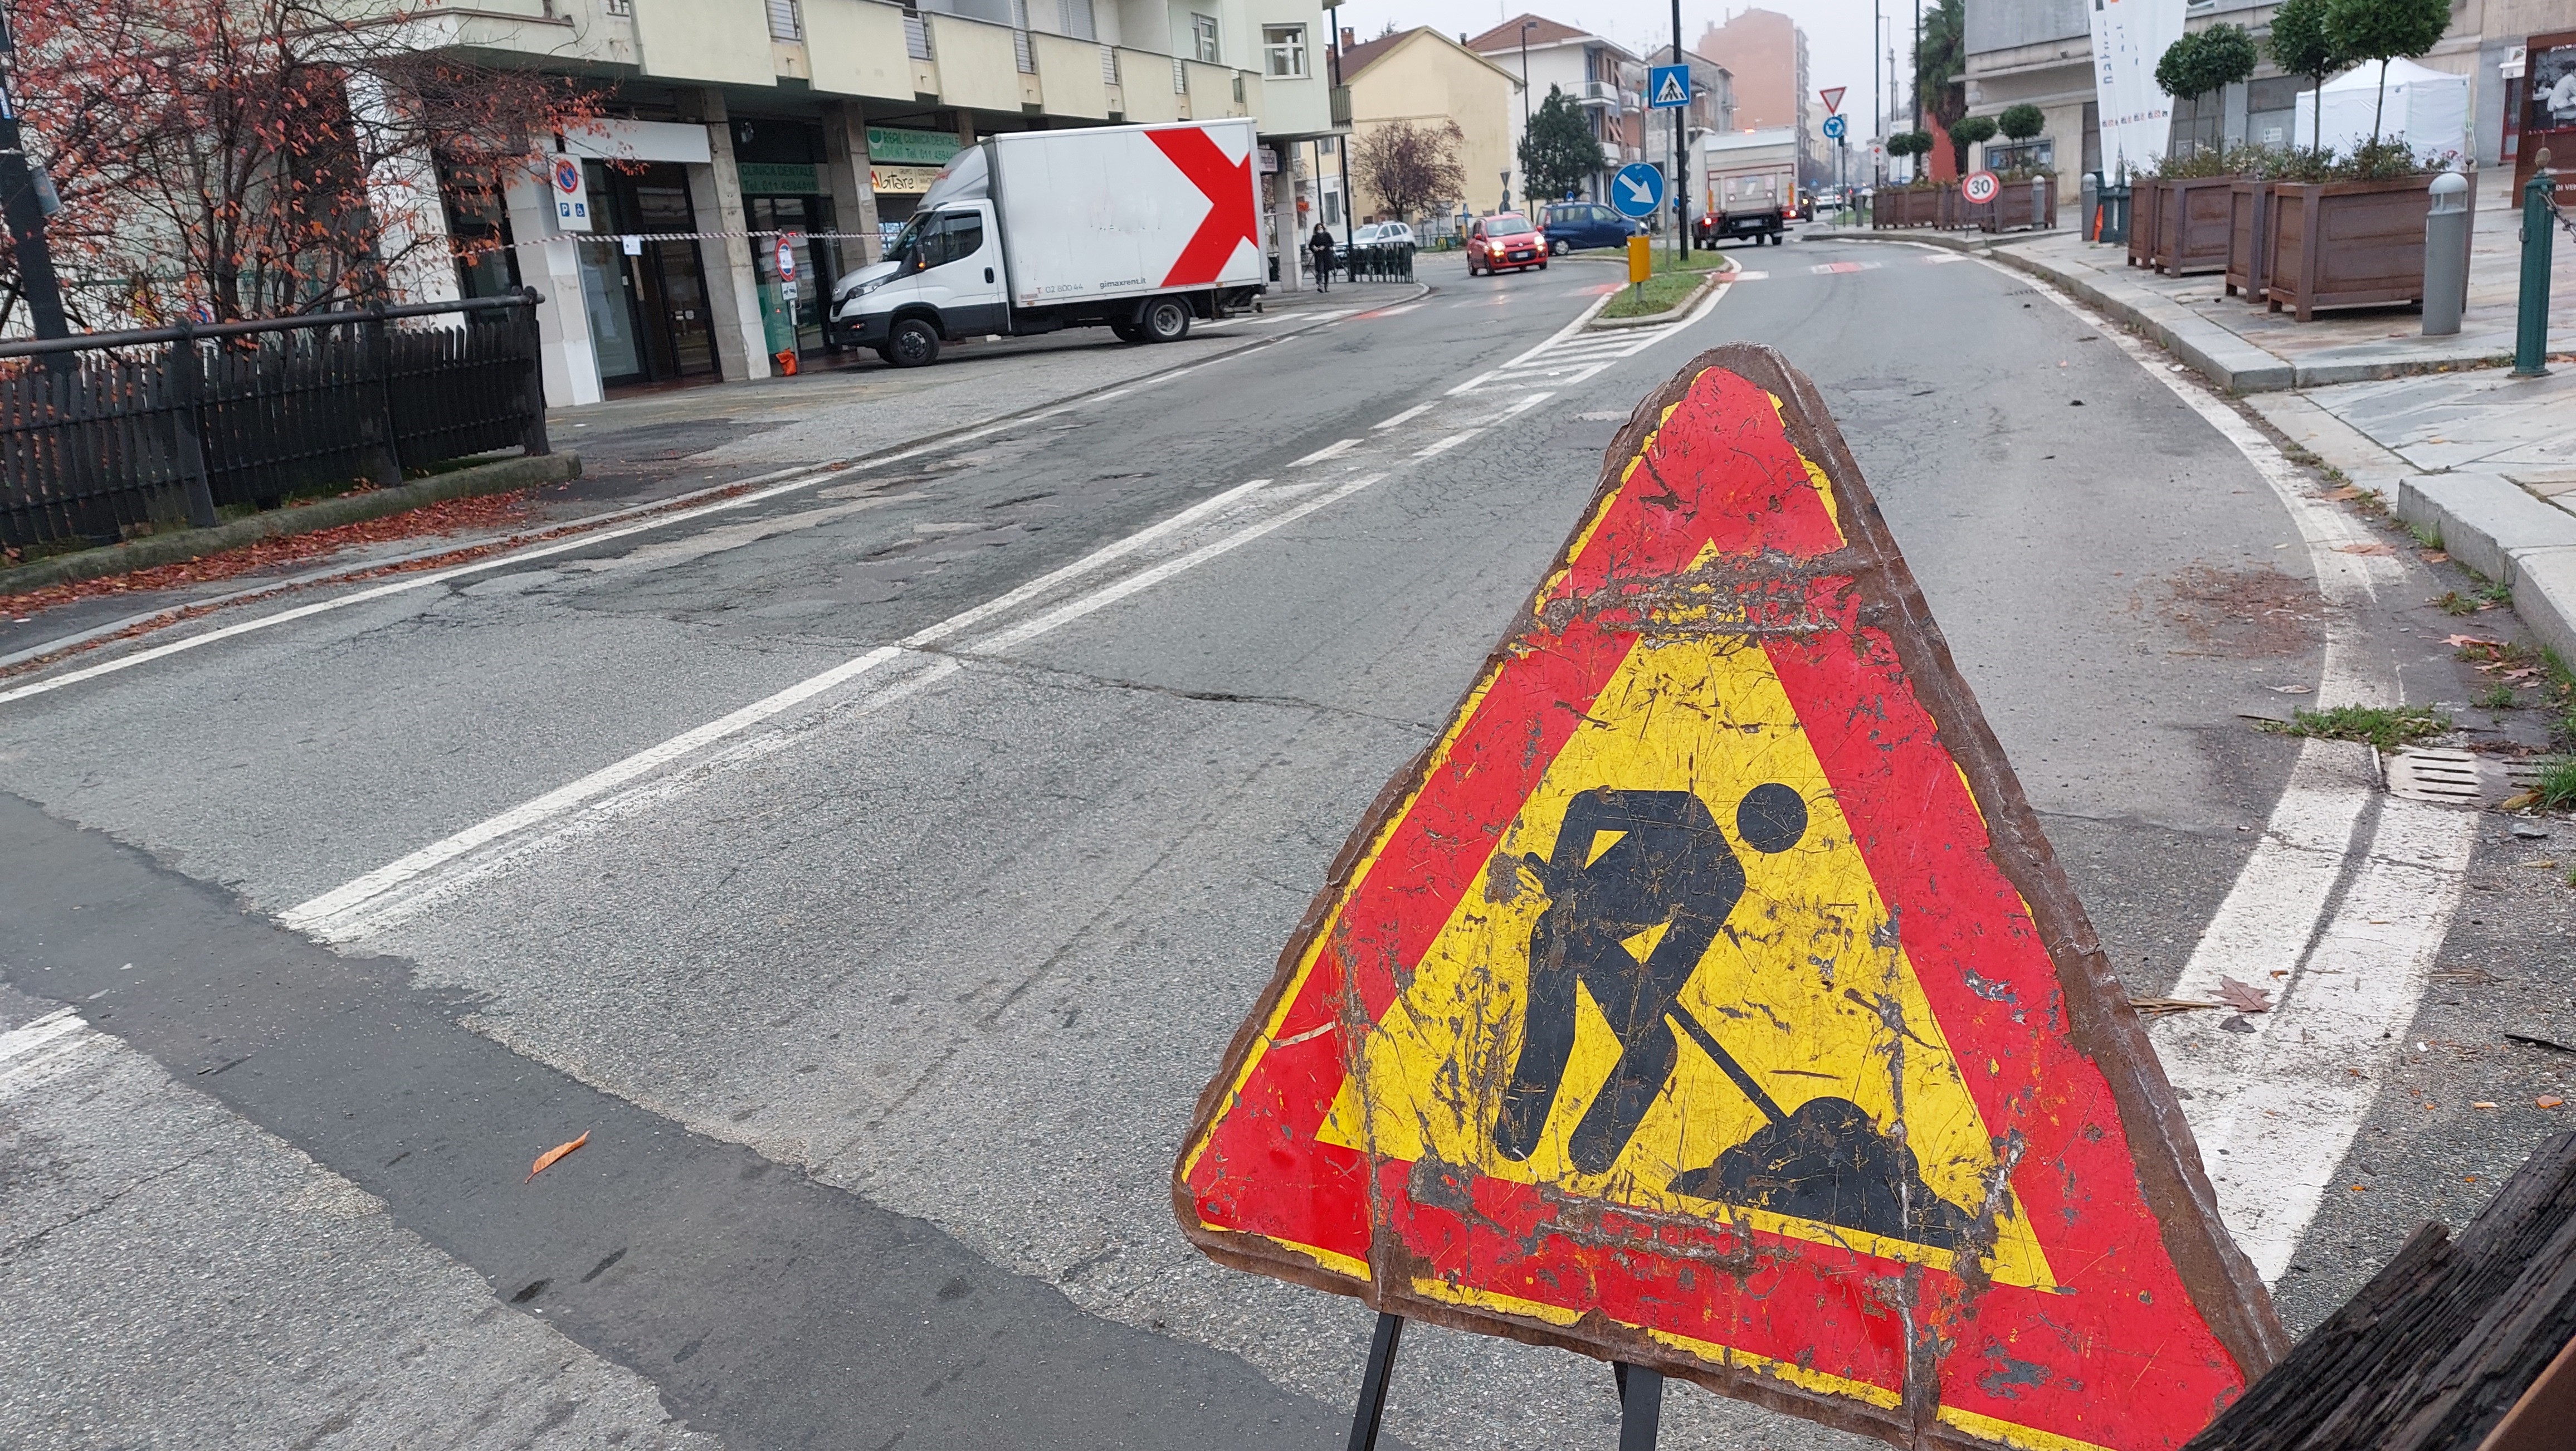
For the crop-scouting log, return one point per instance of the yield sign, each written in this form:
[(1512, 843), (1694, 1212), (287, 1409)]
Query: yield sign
[(1706, 997), (1833, 97)]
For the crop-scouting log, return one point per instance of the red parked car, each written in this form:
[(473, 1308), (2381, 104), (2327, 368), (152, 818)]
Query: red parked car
[(1505, 239)]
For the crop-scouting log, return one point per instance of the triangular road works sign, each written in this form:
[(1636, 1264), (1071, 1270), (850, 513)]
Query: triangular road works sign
[(1707, 998)]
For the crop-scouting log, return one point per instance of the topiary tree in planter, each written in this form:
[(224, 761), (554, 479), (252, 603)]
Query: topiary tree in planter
[(1909, 144), (1967, 131), (2021, 121), (2383, 30), (2304, 44), (2206, 61)]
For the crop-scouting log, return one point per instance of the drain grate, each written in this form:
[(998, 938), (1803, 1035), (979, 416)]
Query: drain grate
[(2448, 777)]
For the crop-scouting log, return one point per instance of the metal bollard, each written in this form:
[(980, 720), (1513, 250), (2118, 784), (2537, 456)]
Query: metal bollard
[(2531, 322), (2446, 255), (2088, 199)]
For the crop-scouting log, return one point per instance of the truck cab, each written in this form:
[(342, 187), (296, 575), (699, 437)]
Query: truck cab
[(940, 281)]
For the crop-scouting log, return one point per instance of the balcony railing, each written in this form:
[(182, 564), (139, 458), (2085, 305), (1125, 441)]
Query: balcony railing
[(1023, 52), (916, 36), (1341, 105)]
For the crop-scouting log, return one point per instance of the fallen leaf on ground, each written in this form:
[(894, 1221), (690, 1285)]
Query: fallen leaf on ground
[(2523, 801), (2337, 496), (2158, 1007), (2375, 546), (2244, 997), (2482, 1103), (547, 1159), (2435, 556), (2462, 642), (2549, 1101)]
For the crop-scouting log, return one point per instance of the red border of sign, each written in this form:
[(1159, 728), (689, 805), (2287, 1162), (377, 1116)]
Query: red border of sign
[(1951, 843)]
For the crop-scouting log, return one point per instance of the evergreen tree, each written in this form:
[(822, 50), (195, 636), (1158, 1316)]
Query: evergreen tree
[(2383, 30), (1559, 153)]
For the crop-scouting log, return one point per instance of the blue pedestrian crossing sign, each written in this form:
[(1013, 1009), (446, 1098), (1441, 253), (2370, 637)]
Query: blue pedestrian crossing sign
[(1667, 86), (1638, 190), (1835, 126)]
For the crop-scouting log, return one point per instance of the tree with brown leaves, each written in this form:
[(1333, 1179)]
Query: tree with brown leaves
[(1411, 169), (252, 158)]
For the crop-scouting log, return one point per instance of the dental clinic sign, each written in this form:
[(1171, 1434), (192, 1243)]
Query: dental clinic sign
[(2129, 37)]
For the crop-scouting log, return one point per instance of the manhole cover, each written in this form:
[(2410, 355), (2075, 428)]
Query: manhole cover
[(2449, 777)]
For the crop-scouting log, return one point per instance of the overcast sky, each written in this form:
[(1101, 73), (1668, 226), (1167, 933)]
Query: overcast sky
[(1838, 47)]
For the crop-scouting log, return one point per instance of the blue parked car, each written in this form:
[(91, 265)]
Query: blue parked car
[(1573, 226)]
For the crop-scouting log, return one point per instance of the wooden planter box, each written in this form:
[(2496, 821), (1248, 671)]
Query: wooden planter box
[(1890, 207), (2347, 244), (2011, 210), (2146, 201), (2191, 225), (2249, 238)]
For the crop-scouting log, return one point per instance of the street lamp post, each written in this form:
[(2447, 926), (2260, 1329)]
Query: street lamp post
[(1681, 150), (1526, 27), (25, 210), (1342, 144)]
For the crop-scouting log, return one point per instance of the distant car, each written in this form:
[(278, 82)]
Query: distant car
[(1376, 234), (1574, 226), (1505, 239)]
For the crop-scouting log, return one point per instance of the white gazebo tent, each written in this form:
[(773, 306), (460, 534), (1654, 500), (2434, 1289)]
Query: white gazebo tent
[(2426, 108)]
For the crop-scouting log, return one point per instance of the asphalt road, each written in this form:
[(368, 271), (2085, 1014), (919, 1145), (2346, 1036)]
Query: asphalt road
[(876, 866)]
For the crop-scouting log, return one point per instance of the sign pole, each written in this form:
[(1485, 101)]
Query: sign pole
[(1681, 153)]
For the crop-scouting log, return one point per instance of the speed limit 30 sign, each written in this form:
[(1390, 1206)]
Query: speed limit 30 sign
[(1981, 187)]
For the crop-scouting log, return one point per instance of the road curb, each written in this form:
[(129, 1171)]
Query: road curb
[(2486, 522), (1717, 277), (151, 550), (2234, 365)]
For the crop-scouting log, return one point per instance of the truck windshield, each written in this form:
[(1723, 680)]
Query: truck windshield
[(908, 241)]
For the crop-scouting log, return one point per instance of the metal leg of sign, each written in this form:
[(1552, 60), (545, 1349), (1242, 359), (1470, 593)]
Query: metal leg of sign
[(1381, 1361), (1641, 1405)]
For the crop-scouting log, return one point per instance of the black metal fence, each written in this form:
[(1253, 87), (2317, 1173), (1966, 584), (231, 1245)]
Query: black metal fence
[(1389, 263), (106, 431)]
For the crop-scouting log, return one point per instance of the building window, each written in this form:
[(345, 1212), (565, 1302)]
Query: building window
[(1323, 145), (617, 7), (1203, 39), (784, 22), (1076, 18), (1285, 48)]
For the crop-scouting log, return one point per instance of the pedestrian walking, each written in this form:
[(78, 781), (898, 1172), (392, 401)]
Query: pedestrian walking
[(1320, 246)]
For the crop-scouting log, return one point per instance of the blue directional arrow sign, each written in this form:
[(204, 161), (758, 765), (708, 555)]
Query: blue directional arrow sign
[(1835, 126), (1638, 190), (1667, 86)]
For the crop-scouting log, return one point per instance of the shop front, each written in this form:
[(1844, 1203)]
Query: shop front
[(644, 281), (902, 163), (2540, 109)]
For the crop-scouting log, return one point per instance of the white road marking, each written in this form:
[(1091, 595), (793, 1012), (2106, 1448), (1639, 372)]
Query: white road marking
[(1330, 450), (1526, 404), (334, 914), (32, 1049), (2276, 1109), (1446, 444), (1146, 579), (1416, 411), (592, 537)]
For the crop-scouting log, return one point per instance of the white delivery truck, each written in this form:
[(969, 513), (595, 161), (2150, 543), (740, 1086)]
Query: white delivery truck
[(1752, 184), (1136, 228)]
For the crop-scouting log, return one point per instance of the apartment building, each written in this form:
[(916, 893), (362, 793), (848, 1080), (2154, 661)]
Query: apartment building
[(1426, 78), (1604, 78), (1766, 54), (738, 123)]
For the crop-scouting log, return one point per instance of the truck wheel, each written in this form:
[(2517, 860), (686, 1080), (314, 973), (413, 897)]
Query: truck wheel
[(1167, 320), (1127, 332), (914, 343)]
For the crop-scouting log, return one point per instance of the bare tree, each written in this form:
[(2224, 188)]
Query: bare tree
[(259, 157), (1411, 169)]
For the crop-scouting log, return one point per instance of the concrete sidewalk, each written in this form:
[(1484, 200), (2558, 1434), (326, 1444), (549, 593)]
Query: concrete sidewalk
[(2437, 426)]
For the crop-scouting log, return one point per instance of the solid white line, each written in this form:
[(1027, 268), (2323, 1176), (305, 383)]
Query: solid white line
[(28, 1037), (1446, 444), (1147, 579), (1330, 450), (1526, 404), (2276, 1109), (584, 540), (318, 915), (1416, 411), (312, 915), (400, 586)]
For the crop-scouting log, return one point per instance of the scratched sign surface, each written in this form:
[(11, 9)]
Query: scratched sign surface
[(1707, 998)]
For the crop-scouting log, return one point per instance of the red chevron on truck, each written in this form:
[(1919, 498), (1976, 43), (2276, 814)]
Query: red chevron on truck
[(1139, 229)]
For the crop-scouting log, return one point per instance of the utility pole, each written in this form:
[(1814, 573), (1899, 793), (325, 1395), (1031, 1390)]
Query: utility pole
[(1681, 146), (1877, 102), (25, 209), (1917, 54), (1341, 143)]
